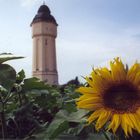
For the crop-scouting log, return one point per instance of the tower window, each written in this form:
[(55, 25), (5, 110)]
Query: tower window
[(37, 51), (46, 42)]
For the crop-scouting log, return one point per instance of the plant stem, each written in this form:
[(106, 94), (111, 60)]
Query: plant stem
[(3, 122), (106, 136), (7, 98), (20, 99)]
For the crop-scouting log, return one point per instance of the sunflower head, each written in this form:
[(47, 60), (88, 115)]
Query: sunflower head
[(113, 96)]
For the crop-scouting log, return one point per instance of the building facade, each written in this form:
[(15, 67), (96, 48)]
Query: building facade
[(44, 33)]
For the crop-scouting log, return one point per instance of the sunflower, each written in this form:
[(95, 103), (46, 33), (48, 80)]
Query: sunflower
[(113, 97)]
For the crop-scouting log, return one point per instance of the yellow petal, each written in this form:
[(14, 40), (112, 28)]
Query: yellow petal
[(103, 118), (124, 125), (87, 96), (89, 101), (105, 73), (128, 120), (115, 122), (90, 82), (137, 78), (99, 82), (135, 120), (94, 115), (117, 70), (90, 107), (133, 71), (86, 90), (138, 111), (130, 130)]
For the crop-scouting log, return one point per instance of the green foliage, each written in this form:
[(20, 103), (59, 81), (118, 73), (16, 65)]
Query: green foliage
[(6, 57), (34, 83), (31, 109), (62, 122), (57, 126), (20, 76), (7, 76)]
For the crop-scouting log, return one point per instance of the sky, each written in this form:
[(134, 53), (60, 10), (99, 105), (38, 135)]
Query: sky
[(90, 33)]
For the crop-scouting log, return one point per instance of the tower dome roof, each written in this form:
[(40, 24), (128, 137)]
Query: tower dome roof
[(44, 9), (44, 14)]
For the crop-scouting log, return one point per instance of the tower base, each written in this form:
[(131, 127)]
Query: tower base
[(50, 77)]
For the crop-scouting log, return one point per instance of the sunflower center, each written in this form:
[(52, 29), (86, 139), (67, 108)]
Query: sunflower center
[(121, 97)]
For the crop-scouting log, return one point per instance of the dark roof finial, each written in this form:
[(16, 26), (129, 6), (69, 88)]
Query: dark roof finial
[(43, 2), (44, 14)]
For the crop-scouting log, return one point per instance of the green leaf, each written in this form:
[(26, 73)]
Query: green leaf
[(61, 122), (20, 76), (96, 137), (34, 83), (70, 107), (67, 137), (4, 58), (7, 76), (57, 127), (77, 116)]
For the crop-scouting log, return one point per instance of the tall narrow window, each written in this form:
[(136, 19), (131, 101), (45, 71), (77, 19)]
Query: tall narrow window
[(37, 54), (45, 51), (46, 42)]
